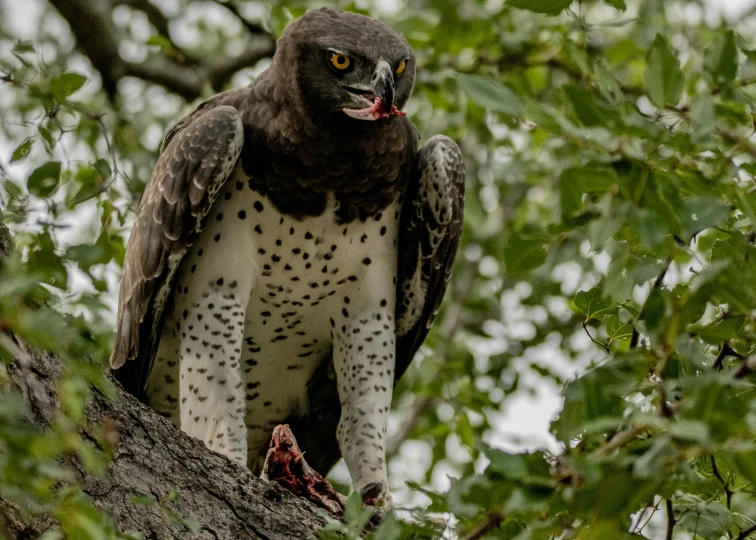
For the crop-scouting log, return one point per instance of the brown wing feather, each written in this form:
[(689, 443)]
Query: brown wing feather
[(198, 155), (430, 230)]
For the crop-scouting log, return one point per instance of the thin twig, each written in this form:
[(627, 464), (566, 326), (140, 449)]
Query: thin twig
[(718, 476), (724, 352), (745, 533), (746, 367), (600, 344), (657, 283), (670, 520), (253, 28), (492, 521)]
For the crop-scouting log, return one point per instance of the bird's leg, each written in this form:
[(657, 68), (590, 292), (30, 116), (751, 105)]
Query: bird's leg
[(363, 354), (211, 387)]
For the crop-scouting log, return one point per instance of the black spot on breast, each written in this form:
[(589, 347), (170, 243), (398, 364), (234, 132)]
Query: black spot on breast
[(258, 206), (239, 186), (383, 303), (219, 217), (258, 230), (383, 231), (278, 241), (242, 214), (227, 196), (220, 281), (291, 231), (366, 261), (193, 268), (275, 258), (217, 237), (200, 252), (308, 236)]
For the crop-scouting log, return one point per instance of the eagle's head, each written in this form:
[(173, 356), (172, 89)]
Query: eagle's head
[(343, 63)]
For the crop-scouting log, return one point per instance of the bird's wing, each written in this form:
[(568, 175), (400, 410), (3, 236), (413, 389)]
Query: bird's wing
[(429, 234), (199, 154)]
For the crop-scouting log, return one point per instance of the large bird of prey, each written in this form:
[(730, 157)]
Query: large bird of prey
[(292, 248)]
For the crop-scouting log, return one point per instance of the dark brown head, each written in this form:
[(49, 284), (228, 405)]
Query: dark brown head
[(342, 63)]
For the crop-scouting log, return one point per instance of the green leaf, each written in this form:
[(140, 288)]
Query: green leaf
[(702, 117), (745, 463), (699, 213), (103, 167), (592, 304), (709, 520), (584, 104), (721, 58), (66, 84), (23, 47), (525, 251), (549, 7), (160, 41), (43, 181), (619, 4), (664, 78), (616, 329), (690, 430), (576, 181), (490, 94), (47, 136), (22, 150)]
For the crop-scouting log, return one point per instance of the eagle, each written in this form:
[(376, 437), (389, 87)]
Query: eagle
[(291, 250)]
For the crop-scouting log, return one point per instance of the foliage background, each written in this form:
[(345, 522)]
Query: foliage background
[(608, 251)]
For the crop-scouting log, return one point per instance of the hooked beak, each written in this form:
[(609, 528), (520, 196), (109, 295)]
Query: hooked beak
[(380, 94), (383, 84)]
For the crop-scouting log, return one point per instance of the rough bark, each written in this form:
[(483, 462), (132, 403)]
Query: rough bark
[(151, 459)]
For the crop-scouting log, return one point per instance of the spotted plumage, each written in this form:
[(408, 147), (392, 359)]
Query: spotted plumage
[(289, 257)]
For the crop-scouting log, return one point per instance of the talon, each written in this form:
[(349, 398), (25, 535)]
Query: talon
[(376, 494)]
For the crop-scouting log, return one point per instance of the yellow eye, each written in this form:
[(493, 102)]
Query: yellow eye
[(400, 67), (340, 61)]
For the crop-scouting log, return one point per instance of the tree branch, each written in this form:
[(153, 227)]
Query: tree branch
[(253, 28), (670, 520), (156, 17), (98, 38), (152, 459)]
